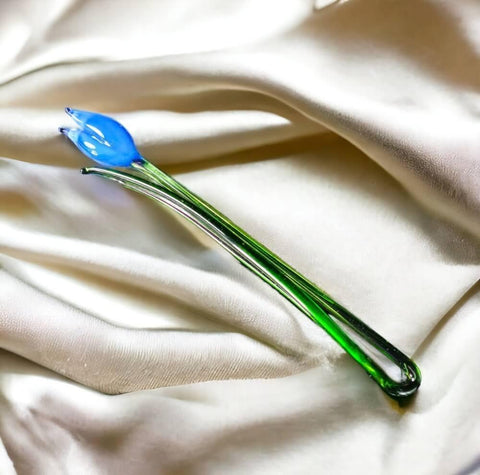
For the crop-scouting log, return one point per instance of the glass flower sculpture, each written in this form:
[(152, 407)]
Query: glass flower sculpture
[(107, 142)]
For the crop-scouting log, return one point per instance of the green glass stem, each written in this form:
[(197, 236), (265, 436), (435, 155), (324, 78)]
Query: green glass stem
[(377, 356)]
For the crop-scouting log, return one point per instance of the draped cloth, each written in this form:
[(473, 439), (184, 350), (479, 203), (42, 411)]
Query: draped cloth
[(343, 135)]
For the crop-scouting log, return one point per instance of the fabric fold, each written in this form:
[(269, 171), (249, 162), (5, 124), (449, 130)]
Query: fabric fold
[(344, 138)]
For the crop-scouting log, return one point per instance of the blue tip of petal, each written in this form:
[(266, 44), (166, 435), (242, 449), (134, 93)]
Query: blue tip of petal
[(101, 138)]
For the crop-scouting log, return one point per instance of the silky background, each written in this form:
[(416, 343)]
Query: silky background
[(343, 135)]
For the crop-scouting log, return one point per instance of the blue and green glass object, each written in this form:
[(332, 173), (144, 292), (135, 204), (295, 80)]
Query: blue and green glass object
[(107, 142)]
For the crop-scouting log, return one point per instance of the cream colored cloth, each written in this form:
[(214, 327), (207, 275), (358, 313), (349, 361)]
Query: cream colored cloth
[(344, 136)]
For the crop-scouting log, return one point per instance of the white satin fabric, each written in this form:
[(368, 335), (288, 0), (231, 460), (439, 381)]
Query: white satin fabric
[(343, 135)]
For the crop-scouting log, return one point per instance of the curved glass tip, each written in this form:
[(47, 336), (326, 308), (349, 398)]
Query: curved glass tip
[(101, 138)]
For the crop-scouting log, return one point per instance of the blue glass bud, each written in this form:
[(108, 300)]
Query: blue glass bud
[(101, 138)]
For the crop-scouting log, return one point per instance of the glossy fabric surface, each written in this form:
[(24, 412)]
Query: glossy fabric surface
[(345, 138)]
